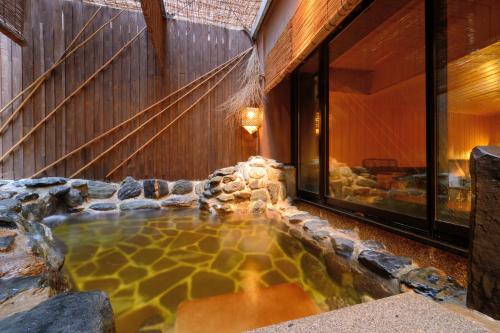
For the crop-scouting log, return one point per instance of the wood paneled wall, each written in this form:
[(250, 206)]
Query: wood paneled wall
[(388, 124), (200, 142)]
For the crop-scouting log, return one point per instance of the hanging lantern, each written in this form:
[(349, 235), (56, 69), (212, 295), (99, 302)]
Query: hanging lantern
[(251, 119)]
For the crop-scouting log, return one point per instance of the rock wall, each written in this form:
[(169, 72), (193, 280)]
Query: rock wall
[(484, 265), (30, 273)]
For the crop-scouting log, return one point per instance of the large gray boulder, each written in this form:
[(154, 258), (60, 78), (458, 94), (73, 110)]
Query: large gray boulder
[(82, 312), (100, 190)]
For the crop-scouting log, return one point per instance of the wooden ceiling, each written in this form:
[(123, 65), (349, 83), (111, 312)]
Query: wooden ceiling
[(393, 52)]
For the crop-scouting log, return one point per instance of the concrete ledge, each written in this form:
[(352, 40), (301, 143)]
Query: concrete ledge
[(406, 312)]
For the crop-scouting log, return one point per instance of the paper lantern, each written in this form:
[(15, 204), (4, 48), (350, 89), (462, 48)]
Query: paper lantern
[(251, 119)]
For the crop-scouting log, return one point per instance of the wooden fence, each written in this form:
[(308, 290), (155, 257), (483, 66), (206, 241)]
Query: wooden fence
[(200, 142)]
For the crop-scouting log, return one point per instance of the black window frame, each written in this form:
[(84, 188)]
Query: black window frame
[(431, 230)]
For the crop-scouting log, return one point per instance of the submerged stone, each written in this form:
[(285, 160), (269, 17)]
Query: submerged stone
[(206, 284), (382, 263), (147, 256), (172, 298), (185, 239), (227, 260), (131, 273), (209, 244), (256, 263), (254, 244), (76, 312), (273, 277), (162, 282), (287, 268), (107, 284)]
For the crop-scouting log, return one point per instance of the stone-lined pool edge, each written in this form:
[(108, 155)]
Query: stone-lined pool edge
[(258, 186)]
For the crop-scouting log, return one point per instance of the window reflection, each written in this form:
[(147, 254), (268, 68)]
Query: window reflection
[(309, 125), (469, 113), (377, 139)]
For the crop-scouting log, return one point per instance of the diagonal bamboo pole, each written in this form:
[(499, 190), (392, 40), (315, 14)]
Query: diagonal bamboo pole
[(63, 56), (51, 113), (211, 73), (45, 75), (138, 150), (148, 121)]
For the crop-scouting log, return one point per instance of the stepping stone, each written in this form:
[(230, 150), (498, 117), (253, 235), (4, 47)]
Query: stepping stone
[(239, 312)]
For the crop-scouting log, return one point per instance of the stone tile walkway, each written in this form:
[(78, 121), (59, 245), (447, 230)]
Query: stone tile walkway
[(406, 312)]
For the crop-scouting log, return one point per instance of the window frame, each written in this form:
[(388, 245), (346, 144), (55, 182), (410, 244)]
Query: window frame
[(430, 230)]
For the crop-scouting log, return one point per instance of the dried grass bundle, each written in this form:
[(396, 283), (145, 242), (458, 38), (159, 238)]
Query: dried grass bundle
[(251, 92)]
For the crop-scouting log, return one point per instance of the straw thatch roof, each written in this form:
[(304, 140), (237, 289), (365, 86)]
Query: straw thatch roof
[(233, 14)]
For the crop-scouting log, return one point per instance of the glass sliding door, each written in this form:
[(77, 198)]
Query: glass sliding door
[(377, 110), (468, 98), (309, 125)]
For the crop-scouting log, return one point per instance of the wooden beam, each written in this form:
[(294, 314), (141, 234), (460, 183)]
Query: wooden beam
[(261, 15), (157, 28)]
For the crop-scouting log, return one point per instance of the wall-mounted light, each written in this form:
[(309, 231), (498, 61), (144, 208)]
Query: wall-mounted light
[(251, 119), (317, 123)]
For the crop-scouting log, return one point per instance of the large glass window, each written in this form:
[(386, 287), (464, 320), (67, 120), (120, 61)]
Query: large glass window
[(469, 98), (309, 125), (377, 115)]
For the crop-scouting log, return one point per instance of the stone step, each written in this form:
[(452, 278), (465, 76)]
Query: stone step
[(246, 310)]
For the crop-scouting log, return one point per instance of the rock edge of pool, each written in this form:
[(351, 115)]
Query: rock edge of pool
[(31, 277)]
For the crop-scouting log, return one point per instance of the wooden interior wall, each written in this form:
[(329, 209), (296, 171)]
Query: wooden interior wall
[(387, 124), (199, 143)]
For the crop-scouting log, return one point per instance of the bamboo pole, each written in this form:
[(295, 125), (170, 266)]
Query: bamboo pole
[(63, 56), (41, 79), (147, 122), (211, 73), (138, 150), (51, 113)]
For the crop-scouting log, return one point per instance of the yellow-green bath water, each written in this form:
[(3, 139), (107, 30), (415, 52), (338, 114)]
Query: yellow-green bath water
[(150, 263)]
